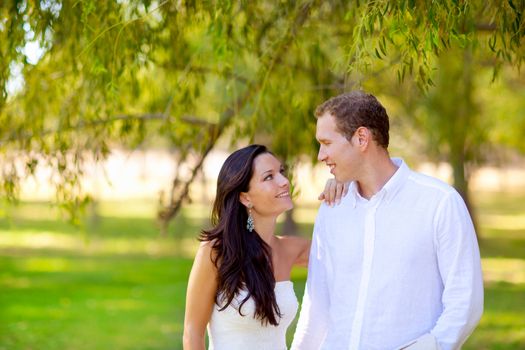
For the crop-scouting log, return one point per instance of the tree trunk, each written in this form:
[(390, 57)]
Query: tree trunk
[(461, 127), (461, 184)]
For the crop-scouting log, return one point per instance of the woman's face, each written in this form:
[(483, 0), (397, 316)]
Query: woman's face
[(269, 191)]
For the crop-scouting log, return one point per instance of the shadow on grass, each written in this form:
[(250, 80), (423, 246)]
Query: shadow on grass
[(503, 247)]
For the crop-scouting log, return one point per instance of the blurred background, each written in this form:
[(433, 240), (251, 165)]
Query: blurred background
[(115, 117)]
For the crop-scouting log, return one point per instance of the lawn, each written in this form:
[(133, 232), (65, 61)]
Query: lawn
[(114, 283)]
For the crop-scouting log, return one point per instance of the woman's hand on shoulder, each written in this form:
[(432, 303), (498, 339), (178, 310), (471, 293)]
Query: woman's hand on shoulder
[(333, 192)]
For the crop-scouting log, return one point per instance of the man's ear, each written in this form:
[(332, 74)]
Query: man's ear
[(244, 198), (363, 136)]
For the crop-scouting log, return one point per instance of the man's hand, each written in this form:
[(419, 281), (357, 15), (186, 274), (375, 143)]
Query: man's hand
[(333, 192)]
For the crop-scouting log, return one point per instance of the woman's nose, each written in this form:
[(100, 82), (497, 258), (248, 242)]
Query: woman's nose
[(283, 181)]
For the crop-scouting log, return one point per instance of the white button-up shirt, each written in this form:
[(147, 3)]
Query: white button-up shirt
[(387, 270)]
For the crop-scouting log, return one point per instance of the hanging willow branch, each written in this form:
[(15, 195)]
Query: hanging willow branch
[(180, 189)]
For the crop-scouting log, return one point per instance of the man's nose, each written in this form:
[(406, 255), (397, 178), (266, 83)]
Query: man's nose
[(321, 156)]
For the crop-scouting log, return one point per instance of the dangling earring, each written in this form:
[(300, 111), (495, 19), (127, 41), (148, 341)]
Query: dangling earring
[(249, 223)]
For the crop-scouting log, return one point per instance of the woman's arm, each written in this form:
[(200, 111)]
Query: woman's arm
[(304, 252), (200, 298), (297, 250)]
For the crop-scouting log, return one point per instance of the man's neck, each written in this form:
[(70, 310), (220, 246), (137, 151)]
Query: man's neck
[(377, 175)]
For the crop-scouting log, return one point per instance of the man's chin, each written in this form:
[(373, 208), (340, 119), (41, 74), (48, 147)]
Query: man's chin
[(340, 178)]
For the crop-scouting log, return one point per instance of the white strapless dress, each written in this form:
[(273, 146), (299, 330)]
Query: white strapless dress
[(228, 330)]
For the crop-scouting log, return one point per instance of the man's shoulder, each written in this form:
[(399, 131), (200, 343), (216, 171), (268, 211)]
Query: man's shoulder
[(424, 182), (324, 209), (344, 206)]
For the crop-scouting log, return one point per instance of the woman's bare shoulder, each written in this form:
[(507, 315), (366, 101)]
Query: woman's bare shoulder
[(206, 251)]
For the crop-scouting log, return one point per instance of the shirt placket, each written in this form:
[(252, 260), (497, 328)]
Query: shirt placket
[(368, 255)]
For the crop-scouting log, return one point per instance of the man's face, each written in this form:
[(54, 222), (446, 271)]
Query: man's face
[(340, 155)]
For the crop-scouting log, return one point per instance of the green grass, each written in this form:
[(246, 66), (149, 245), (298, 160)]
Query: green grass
[(115, 283), (67, 302)]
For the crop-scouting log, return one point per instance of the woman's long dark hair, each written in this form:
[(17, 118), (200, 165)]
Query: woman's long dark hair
[(242, 258)]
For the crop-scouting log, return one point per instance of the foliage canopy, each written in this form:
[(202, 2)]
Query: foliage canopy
[(184, 73)]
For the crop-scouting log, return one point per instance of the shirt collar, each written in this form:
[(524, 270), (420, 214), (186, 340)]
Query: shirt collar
[(397, 180), (353, 194), (389, 190)]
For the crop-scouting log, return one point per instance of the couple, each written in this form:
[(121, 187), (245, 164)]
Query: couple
[(395, 265)]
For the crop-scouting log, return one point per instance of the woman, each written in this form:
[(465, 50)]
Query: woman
[(239, 287)]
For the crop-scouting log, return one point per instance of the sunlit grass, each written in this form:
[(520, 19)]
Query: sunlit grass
[(24, 243), (505, 222), (503, 270)]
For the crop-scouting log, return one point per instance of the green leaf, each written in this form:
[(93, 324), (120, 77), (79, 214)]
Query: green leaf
[(377, 53), (382, 45)]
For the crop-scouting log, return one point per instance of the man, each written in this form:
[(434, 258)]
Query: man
[(396, 265)]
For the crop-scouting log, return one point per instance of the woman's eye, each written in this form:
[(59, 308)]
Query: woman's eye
[(269, 177)]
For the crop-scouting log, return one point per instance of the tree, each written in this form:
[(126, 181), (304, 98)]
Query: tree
[(186, 73), (454, 123)]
